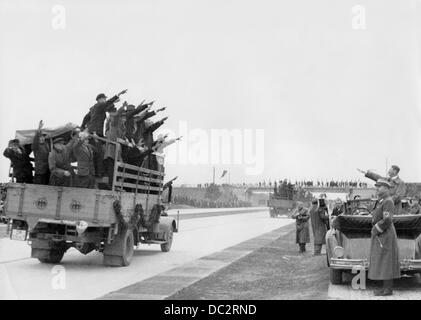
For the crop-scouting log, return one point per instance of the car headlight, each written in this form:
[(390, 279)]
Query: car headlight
[(338, 251)]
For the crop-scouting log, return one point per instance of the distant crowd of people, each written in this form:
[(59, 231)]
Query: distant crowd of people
[(300, 183), (321, 183)]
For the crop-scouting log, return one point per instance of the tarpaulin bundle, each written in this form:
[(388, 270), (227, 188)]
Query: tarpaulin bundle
[(407, 226), (27, 136)]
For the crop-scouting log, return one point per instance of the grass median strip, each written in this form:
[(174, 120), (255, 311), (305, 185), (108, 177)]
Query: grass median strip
[(274, 271), (172, 281)]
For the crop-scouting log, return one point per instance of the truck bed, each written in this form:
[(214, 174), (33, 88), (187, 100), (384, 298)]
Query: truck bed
[(33, 202)]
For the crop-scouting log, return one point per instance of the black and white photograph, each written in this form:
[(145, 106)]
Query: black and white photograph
[(227, 152)]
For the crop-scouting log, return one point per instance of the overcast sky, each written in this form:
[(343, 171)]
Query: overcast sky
[(329, 98)]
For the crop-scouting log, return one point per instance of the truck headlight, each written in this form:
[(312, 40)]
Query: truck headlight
[(338, 251)]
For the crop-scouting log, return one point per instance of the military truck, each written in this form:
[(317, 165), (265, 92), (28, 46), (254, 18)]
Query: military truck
[(53, 219), (279, 206), (348, 242)]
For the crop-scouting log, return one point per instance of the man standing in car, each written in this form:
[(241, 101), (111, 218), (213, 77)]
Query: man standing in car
[(398, 187)]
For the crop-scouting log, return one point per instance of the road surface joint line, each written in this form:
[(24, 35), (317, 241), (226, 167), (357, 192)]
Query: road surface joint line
[(188, 216), (170, 282)]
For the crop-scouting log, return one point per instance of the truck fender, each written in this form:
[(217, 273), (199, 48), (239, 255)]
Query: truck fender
[(164, 225), (331, 243)]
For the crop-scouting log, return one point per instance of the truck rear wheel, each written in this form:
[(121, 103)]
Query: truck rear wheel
[(49, 255), (335, 276), (120, 252), (165, 247)]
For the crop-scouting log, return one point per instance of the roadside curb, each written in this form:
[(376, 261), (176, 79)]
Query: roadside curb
[(3, 229), (215, 214), (170, 282)]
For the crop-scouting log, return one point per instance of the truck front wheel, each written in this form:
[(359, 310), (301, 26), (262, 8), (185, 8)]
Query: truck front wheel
[(165, 247), (335, 276)]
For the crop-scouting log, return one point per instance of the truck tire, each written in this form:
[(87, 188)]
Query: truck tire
[(50, 255), (122, 248), (165, 247), (335, 276)]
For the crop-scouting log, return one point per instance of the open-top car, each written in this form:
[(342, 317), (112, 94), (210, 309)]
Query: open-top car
[(279, 206), (348, 242)]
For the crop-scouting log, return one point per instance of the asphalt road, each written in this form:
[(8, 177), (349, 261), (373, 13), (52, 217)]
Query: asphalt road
[(84, 277)]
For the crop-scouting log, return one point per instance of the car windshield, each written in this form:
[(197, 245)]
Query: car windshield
[(359, 206)]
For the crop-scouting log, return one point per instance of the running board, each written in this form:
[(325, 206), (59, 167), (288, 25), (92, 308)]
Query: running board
[(154, 242)]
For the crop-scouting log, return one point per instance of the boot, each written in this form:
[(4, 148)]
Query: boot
[(302, 247)]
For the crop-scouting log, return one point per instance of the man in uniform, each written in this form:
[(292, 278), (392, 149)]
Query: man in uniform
[(303, 233), (94, 121), (338, 209), (84, 152), (398, 189), (318, 220), (20, 161), (150, 161), (41, 151), (131, 112), (59, 163), (384, 253), (406, 208), (415, 208)]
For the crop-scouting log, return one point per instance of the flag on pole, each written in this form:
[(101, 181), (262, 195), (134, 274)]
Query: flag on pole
[(224, 173)]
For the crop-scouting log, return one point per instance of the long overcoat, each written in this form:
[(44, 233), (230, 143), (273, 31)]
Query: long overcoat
[(303, 231), (318, 224), (41, 152), (384, 251)]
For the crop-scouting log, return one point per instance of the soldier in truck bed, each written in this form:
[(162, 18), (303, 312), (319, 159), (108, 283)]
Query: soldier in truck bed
[(95, 118), (94, 121), (41, 150), (20, 161), (83, 153), (132, 114), (59, 162)]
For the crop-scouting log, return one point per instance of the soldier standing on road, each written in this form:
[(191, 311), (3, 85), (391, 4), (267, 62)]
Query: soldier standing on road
[(303, 233), (398, 190), (318, 224), (384, 252), (41, 151)]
